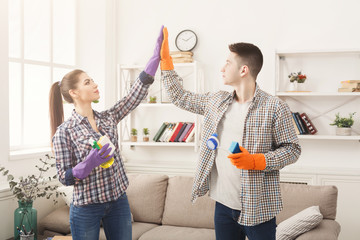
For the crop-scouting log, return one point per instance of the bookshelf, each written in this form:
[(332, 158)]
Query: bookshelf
[(325, 69), (152, 115)]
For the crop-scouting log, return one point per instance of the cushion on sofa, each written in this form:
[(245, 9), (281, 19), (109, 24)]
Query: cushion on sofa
[(179, 211), (326, 230), (146, 194), (301, 222), (323, 196), (178, 233), (139, 229), (56, 221)]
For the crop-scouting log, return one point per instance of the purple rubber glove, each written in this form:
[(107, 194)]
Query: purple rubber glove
[(94, 159), (154, 61)]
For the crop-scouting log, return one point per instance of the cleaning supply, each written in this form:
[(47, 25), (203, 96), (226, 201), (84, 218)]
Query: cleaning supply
[(99, 144), (213, 143), (93, 159), (245, 160)]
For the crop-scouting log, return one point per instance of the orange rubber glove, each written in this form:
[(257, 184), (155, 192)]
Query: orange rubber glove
[(245, 160), (166, 62)]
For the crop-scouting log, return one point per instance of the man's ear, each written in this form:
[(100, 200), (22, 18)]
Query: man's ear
[(244, 70)]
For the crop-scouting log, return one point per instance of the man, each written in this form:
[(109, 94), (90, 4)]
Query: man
[(246, 187)]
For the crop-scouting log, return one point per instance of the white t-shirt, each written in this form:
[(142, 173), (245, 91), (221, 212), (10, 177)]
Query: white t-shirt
[(225, 177)]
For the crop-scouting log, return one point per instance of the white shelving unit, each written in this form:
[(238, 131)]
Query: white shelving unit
[(325, 70), (152, 115)]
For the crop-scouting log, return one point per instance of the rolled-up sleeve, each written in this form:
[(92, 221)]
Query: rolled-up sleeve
[(63, 155)]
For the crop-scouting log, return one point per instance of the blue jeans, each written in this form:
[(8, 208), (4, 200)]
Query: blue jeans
[(115, 216), (227, 227)]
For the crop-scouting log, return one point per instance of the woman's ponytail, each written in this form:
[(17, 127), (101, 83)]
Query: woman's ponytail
[(56, 108)]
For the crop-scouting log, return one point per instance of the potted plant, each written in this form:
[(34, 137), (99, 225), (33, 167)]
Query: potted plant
[(26, 190), (134, 135), (343, 124), (152, 99), (297, 80), (145, 134)]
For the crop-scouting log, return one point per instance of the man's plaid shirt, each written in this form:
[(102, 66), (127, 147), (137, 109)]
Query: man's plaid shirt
[(268, 129), (71, 146)]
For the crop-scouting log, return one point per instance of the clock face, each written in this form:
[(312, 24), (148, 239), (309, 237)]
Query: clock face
[(186, 40)]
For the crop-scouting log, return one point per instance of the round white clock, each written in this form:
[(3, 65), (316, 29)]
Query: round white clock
[(186, 40)]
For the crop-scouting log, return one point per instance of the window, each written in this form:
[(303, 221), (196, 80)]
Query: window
[(42, 47)]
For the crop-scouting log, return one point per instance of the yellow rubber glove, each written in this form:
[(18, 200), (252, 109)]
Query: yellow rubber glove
[(166, 62), (245, 160)]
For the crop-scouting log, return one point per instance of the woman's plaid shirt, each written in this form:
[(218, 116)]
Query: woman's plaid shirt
[(71, 146), (268, 129)]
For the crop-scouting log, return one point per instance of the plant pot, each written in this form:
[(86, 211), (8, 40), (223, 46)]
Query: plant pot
[(301, 87), (133, 138), (146, 139), (343, 131), (292, 86), (25, 215)]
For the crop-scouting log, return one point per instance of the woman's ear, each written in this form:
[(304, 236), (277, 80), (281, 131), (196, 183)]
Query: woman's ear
[(73, 93)]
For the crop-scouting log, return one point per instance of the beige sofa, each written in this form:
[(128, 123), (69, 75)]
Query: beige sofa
[(162, 210)]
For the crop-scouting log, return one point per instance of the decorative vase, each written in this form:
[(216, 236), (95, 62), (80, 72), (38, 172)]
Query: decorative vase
[(343, 131), (293, 86), (25, 216), (133, 138), (301, 87)]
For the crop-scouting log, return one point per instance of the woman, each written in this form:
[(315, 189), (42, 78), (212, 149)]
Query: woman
[(99, 193)]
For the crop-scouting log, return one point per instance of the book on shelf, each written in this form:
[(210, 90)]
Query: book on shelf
[(180, 132), (188, 126), (181, 57), (172, 132), (166, 133), (176, 131), (180, 54), (190, 132), (295, 125), (345, 89), (190, 137), (160, 132), (183, 60), (303, 124), (309, 125)]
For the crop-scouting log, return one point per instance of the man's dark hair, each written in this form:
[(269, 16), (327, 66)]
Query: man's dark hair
[(250, 55)]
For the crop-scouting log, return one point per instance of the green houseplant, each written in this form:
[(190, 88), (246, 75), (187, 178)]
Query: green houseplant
[(343, 124), (145, 134), (26, 190), (152, 99), (134, 135)]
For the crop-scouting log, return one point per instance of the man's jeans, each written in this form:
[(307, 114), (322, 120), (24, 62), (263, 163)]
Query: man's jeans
[(115, 216), (227, 227)]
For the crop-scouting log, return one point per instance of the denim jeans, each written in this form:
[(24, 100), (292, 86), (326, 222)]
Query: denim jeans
[(115, 216), (227, 227)]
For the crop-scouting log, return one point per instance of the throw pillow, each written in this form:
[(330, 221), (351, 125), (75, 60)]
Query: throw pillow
[(68, 190), (300, 223)]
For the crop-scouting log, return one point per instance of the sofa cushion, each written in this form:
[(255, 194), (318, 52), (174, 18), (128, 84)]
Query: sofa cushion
[(178, 233), (56, 221), (179, 211), (139, 229), (297, 197), (299, 223), (146, 194), (326, 230)]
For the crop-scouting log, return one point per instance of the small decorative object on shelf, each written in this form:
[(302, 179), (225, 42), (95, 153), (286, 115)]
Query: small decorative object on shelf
[(134, 135), (297, 81), (350, 86), (343, 124), (145, 134), (152, 99), (26, 190)]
